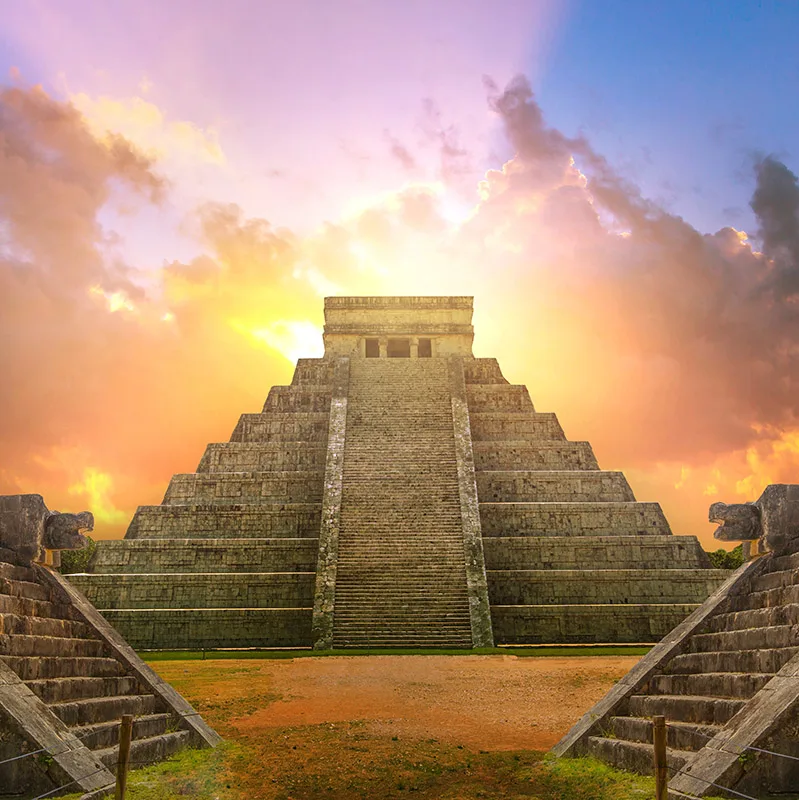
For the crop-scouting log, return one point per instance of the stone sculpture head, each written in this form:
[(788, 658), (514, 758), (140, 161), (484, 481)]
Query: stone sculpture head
[(28, 528), (773, 518)]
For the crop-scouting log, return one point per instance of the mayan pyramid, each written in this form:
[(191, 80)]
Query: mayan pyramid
[(400, 492)]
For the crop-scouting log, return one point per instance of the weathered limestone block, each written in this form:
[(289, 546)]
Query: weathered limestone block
[(572, 519), (28, 528), (198, 590), (601, 586), (558, 455), (294, 426), (538, 624), (516, 426), (498, 397), (292, 520), (244, 487), (307, 398), (199, 628), (595, 552), (263, 457), (526, 486), (482, 370), (209, 555)]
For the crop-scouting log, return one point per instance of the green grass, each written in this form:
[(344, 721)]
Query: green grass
[(537, 651), (423, 774)]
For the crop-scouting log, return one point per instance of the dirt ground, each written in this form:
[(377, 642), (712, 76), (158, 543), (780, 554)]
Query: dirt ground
[(487, 703)]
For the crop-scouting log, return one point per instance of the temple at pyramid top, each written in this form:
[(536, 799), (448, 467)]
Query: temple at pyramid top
[(398, 327)]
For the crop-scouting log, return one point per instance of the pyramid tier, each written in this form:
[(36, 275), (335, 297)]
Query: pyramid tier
[(263, 457)]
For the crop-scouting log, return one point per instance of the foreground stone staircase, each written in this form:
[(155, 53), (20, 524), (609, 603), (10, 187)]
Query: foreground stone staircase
[(229, 558), (570, 555), (726, 679), (64, 673), (401, 578)]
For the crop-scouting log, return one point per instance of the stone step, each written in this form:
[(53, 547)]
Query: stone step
[(277, 426), (756, 661), (29, 590), (237, 521), (30, 668), (104, 709), (788, 561), (737, 685), (785, 595), (572, 519), (147, 751), (16, 624), (543, 455), (245, 487), (262, 457), (509, 426), (217, 555), (101, 735), (529, 486), (746, 639), (774, 580), (197, 590), (23, 645), (633, 756), (581, 624), (597, 552), (689, 736), (756, 618), (207, 628), (366, 641), (59, 690), (685, 708), (602, 586)]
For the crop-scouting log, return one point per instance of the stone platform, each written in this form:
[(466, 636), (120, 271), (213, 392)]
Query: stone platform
[(400, 492)]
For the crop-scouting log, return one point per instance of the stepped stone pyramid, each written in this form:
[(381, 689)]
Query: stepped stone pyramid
[(400, 492), (66, 676), (726, 679)]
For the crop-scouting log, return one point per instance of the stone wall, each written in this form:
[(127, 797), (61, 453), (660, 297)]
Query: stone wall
[(572, 519), (501, 425), (199, 590), (211, 555), (281, 427), (263, 457), (605, 587), (539, 456), (577, 486), (294, 520), (209, 628), (601, 552), (244, 487)]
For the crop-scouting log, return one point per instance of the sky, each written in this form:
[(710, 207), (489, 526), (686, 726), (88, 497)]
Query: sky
[(182, 183)]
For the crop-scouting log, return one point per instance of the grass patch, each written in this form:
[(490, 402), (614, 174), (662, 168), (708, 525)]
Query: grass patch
[(543, 651), (189, 775)]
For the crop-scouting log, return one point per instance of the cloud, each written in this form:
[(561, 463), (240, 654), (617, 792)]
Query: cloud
[(146, 126), (674, 351)]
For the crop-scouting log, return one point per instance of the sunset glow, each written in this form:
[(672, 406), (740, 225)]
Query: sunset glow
[(171, 218)]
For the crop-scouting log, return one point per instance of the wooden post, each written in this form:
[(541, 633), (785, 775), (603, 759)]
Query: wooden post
[(661, 767), (125, 733)]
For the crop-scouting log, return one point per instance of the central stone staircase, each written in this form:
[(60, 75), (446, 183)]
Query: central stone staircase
[(401, 577)]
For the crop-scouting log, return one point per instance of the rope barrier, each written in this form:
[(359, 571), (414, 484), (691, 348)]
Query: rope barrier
[(677, 771), (744, 747), (66, 785)]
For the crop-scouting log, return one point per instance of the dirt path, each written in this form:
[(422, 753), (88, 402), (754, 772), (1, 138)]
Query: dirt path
[(481, 702)]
